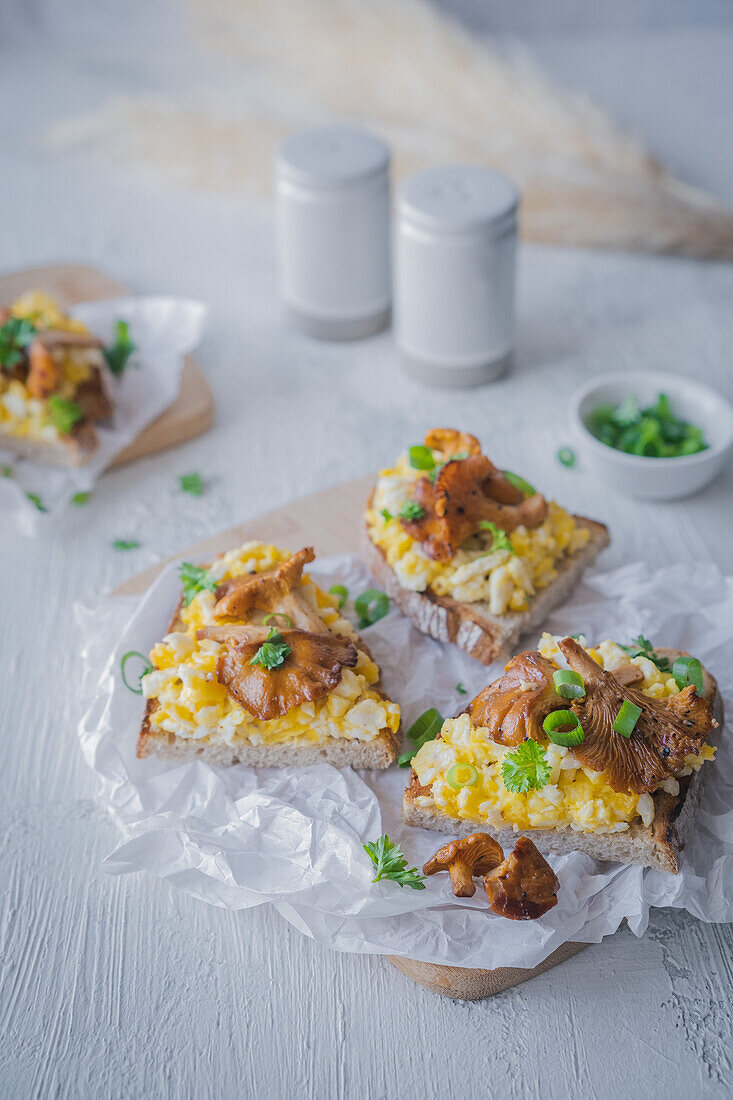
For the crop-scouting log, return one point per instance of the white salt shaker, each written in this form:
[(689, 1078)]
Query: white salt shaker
[(332, 185), (455, 254)]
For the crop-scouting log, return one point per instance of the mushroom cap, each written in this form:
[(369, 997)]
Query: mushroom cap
[(451, 442), (311, 669), (479, 852), (524, 886), (665, 732), (466, 493), (515, 706), (238, 597)]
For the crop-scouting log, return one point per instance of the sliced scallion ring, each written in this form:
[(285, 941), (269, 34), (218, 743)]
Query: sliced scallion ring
[(405, 760), (626, 719), (146, 669), (341, 592), (421, 457), (568, 684), (278, 615), (688, 670), (566, 456), (426, 727), (462, 775), (371, 606), (564, 728), (519, 483)]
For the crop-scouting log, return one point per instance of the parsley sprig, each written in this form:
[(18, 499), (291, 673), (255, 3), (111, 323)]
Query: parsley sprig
[(195, 579), (64, 414), (526, 768), (118, 353), (500, 539), (273, 652), (390, 862), (192, 483), (15, 336), (125, 544), (411, 510), (642, 647)]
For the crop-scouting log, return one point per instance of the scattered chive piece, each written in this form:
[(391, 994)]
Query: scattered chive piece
[(386, 515), (125, 544), (64, 414), (526, 768), (462, 775), (423, 729), (340, 591), (688, 670), (194, 579), (566, 456), (192, 483), (654, 432), (411, 510), (519, 483), (501, 540), (147, 667), (6, 471), (278, 615), (626, 719), (389, 862), (461, 689), (564, 728), (405, 759), (371, 606), (568, 684), (421, 457), (36, 500), (273, 652), (118, 353), (80, 498)]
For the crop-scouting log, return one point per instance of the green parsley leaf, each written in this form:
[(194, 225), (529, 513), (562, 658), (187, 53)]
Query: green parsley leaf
[(389, 862), (80, 498), (194, 580), (386, 515), (15, 335), (501, 540), (273, 652), (461, 689), (192, 483), (411, 510), (6, 471), (118, 354), (64, 414), (526, 768), (125, 544), (642, 647), (36, 500)]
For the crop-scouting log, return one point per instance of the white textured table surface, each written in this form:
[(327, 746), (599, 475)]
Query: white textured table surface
[(122, 987)]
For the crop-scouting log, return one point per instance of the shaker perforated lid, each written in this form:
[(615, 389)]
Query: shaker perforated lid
[(458, 198), (332, 156)]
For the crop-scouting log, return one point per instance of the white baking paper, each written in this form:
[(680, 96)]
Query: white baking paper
[(163, 330), (239, 837)]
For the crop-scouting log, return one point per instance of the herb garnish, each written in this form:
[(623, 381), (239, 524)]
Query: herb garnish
[(461, 689), (64, 414), (386, 514), (80, 498), (341, 591), (390, 862), (411, 510), (194, 580), (371, 606), (192, 483), (423, 729), (654, 432), (15, 336), (501, 540), (125, 544), (273, 652), (147, 667), (526, 768), (119, 352), (6, 471), (36, 500), (642, 647)]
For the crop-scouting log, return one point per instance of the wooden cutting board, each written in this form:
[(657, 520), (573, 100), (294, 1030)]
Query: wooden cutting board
[(193, 410), (330, 521)]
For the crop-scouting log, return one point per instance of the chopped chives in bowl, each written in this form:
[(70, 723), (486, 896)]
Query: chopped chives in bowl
[(651, 432)]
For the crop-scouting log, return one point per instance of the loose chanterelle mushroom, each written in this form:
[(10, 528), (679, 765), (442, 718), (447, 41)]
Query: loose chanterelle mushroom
[(524, 886), (476, 854), (663, 735), (466, 493)]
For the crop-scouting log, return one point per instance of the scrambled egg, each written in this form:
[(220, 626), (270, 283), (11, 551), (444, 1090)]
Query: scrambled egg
[(193, 704), (505, 581), (20, 413), (575, 796)]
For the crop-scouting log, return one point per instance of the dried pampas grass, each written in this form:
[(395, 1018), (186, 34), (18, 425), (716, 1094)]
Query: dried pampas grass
[(434, 92)]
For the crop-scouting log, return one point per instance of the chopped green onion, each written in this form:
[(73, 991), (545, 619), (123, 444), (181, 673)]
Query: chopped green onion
[(192, 483), (118, 353), (564, 728), (519, 483), (461, 689), (405, 760), (462, 775), (421, 457), (341, 592), (125, 544), (688, 670), (278, 615), (80, 498), (37, 502), (15, 336), (371, 606), (411, 510), (426, 727), (654, 432), (566, 456), (626, 719), (6, 471), (146, 669), (568, 684), (386, 515)]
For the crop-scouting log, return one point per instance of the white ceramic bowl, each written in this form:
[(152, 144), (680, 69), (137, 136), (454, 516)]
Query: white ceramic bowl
[(655, 478)]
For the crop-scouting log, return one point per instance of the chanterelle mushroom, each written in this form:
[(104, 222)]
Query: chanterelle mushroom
[(515, 706), (276, 590), (524, 886), (311, 668), (450, 442), (466, 493), (664, 734), (476, 854)]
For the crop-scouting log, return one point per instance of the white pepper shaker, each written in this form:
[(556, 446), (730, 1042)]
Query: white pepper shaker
[(332, 185), (455, 253)]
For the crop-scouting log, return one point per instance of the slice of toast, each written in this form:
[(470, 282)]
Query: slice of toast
[(380, 752), (471, 626), (657, 845)]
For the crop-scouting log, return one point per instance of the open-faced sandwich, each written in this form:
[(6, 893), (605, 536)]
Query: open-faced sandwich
[(597, 750), (472, 554), (53, 383), (260, 668)]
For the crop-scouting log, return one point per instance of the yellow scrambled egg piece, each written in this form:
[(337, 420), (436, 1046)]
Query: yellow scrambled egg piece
[(575, 797), (193, 704), (505, 581)]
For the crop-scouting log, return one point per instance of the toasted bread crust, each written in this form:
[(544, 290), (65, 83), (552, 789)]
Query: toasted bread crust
[(657, 845), (472, 627)]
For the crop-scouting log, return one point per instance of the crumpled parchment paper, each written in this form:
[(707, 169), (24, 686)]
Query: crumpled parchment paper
[(290, 837), (163, 330)]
